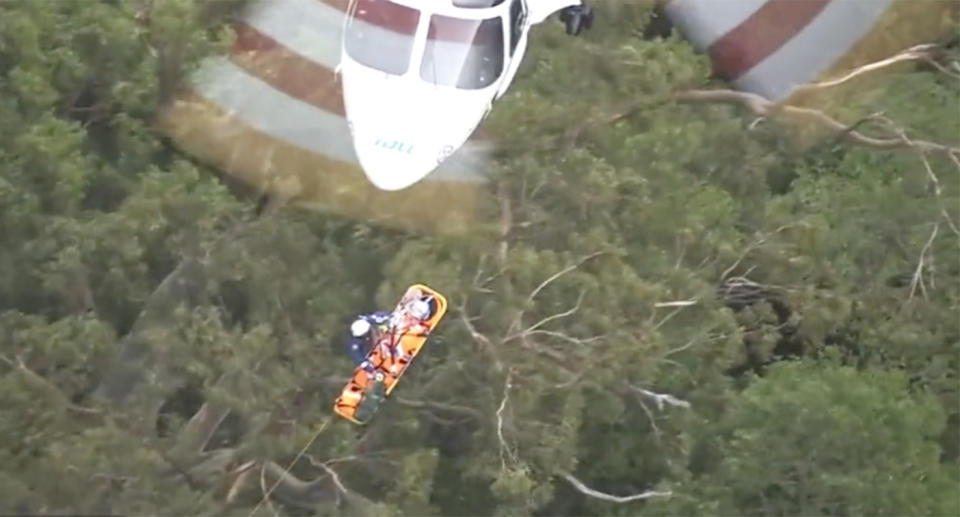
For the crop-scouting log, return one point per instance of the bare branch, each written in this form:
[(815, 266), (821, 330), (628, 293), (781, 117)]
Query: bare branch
[(479, 284), (923, 52), (548, 319), (265, 492), (667, 318), (350, 495), (585, 490), (45, 384), (761, 106), (933, 177), (242, 473), (937, 192), (662, 398), (679, 303), (681, 348), (560, 273), (195, 435), (516, 324), (285, 474), (211, 466), (504, 448), (294, 491), (568, 338), (653, 420), (946, 70), (921, 262), (335, 477), (479, 338), (752, 246)]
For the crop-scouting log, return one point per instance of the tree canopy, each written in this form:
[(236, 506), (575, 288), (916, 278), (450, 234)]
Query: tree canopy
[(671, 307)]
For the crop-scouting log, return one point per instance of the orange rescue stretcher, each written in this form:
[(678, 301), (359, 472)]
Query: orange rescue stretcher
[(394, 350)]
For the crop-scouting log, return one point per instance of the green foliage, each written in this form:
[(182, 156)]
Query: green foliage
[(166, 350), (814, 438)]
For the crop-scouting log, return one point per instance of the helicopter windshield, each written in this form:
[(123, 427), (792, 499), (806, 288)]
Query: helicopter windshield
[(467, 54), (380, 35)]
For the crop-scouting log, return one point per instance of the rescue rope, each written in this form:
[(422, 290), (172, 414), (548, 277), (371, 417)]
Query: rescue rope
[(290, 466)]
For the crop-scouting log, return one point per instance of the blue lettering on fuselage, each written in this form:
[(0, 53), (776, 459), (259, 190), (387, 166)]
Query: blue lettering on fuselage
[(394, 145)]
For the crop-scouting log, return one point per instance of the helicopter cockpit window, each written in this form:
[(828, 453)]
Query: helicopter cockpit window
[(380, 35), (464, 53), (517, 19)]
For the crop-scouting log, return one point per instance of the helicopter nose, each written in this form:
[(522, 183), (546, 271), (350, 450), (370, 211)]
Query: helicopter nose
[(404, 129), (395, 158)]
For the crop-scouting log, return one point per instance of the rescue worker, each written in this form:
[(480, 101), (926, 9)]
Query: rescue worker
[(367, 328), (362, 336)]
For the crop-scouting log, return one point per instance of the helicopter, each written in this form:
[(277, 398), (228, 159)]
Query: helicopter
[(419, 76)]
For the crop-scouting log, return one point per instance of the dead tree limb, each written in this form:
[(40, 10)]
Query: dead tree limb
[(569, 312), (923, 52), (938, 192), (754, 245), (285, 478), (505, 450), (585, 490), (195, 435), (763, 107), (482, 340), (48, 386), (552, 278), (661, 398), (921, 263)]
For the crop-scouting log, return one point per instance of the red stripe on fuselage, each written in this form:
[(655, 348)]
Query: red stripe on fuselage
[(762, 34)]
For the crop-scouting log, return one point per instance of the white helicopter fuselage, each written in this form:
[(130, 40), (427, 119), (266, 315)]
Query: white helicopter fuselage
[(420, 75)]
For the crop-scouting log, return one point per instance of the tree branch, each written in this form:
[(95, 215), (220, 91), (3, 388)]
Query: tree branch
[(666, 318), (242, 474), (265, 492), (290, 489), (946, 70), (287, 480), (47, 385), (195, 435), (752, 246), (517, 322), (662, 398), (212, 466), (678, 303), (681, 348), (923, 52), (504, 448), (352, 496), (585, 490), (479, 338), (548, 319), (937, 192), (568, 338), (763, 107), (921, 262)]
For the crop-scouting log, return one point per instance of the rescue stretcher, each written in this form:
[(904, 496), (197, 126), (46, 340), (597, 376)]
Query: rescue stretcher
[(395, 348)]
